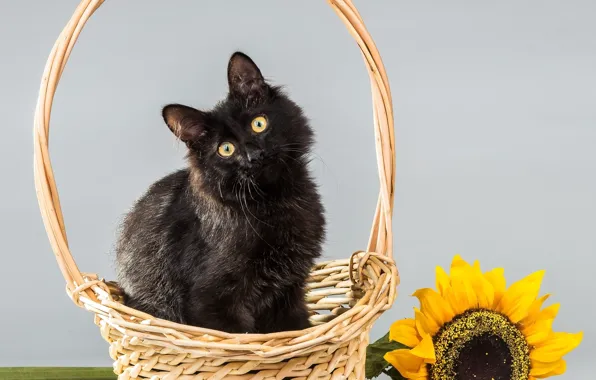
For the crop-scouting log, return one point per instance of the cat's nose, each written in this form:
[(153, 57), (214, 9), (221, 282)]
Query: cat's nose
[(253, 153)]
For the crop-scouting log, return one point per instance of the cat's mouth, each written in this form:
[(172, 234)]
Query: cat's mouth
[(270, 173), (264, 175)]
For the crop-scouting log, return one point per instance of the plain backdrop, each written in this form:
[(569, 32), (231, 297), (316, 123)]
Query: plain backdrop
[(495, 126)]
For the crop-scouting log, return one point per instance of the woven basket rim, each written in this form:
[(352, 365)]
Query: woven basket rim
[(241, 347), (90, 292)]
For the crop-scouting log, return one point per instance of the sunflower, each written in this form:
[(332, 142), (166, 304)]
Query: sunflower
[(472, 327)]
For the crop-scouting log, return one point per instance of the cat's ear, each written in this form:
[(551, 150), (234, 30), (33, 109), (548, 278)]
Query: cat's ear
[(244, 77), (187, 123)]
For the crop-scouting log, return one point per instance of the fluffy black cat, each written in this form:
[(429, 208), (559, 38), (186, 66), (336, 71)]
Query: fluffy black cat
[(228, 243)]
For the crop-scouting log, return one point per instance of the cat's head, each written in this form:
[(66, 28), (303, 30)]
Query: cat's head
[(256, 139)]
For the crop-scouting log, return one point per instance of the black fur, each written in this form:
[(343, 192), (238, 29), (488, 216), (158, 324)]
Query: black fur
[(228, 243)]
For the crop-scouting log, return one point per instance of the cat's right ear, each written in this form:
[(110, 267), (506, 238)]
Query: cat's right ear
[(187, 123)]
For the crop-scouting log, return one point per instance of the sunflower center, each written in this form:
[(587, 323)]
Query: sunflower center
[(487, 355), (480, 345)]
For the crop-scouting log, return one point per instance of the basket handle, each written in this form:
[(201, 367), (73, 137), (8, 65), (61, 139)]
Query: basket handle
[(380, 241)]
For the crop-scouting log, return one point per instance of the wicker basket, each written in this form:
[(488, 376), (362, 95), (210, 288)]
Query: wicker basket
[(345, 296)]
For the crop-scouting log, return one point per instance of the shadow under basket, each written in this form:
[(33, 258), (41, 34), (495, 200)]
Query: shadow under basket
[(345, 297)]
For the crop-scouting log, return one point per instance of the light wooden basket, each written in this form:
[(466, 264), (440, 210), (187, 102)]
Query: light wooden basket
[(345, 296)]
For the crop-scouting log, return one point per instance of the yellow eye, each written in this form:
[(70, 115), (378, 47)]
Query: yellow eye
[(259, 124), (226, 149)]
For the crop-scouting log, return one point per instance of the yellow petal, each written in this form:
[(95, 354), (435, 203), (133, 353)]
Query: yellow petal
[(424, 325), (541, 328), (556, 346), (458, 267), (476, 265), (434, 306), (556, 371), (442, 280), (483, 289), (425, 350), (535, 310), (410, 366), (404, 332), (497, 279), (540, 369), (457, 306), (518, 299), (422, 374), (549, 312), (463, 295), (538, 332)]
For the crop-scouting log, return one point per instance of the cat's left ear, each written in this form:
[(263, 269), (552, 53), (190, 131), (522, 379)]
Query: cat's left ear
[(244, 77)]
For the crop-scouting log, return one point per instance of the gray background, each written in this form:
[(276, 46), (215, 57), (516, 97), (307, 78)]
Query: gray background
[(495, 121)]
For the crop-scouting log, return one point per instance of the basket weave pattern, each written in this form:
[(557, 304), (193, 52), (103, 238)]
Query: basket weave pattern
[(345, 296)]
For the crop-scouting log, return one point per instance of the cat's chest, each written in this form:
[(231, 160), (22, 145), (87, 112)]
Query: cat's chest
[(247, 221), (256, 249), (263, 240)]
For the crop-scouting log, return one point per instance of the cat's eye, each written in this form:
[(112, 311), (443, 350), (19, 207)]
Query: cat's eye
[(259, 124), (226, 149)]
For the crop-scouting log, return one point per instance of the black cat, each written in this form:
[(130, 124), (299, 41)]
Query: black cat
[(228, 243)]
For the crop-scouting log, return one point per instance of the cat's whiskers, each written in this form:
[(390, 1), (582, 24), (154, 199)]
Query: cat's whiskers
[(286, 164), (257, 188), (292, 148), (246, 216), (248, 186), (237, 194), (245, 182), (310, 159), (219, 187)]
